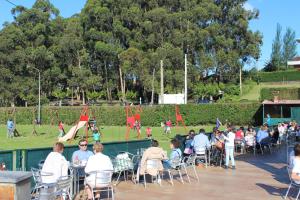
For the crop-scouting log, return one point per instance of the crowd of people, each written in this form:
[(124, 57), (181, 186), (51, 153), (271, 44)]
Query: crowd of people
[(221, 146)]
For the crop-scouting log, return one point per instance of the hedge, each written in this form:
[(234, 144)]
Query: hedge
[(193, 114), (279, 76), (283, 93)]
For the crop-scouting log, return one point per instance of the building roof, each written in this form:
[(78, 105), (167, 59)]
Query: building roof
[(281, 102), (294, 61)]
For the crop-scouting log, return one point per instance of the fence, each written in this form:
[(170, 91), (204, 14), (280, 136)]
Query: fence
[(24, 159)]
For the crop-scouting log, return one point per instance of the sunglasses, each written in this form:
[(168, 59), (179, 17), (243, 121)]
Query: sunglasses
[(83, 145)]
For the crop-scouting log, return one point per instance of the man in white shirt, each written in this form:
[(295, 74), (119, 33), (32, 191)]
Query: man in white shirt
[(98, 162), (229, 148), (55, 165)]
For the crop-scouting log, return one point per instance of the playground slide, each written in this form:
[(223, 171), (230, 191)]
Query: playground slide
[(72, 131)]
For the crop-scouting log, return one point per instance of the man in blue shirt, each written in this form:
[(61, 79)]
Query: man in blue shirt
[(10, 128), (262, 134), (200, 142), (82, 155)]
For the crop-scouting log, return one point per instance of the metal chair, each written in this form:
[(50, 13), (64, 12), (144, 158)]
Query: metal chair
[(153, 164), (239, 143), (177, 165), (292, 183), (123, 165), (190, 162), (101, 181), (40, 188), (63, 187), (264, 143), (202, 154)]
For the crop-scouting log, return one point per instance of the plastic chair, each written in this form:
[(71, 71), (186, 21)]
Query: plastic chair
[(101, 181)]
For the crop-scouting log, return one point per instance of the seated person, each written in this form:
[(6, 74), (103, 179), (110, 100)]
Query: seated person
[(249, 138), (82, 155), (262, 134), (175, 154), (239, 134), (97, 162), (55, 165), (154, 152), (295, 175), (200, 142), (188, 149)]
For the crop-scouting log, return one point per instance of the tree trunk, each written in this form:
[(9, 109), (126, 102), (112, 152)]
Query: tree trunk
[(107, 87), (122, 84), (83, 97)]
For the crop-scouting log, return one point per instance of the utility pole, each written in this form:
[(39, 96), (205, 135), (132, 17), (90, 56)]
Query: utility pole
[(39, 112), (185, 78), (161, 82), (241, 90), (152, 94)]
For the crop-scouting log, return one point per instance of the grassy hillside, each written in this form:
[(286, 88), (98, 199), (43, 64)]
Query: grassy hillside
[(254, 93)]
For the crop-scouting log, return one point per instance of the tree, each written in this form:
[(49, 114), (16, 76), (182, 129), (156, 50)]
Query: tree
[(289, 45), (276, 55)]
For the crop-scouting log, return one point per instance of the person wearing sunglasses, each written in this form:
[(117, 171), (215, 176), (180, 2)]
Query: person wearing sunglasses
[(82, 155)]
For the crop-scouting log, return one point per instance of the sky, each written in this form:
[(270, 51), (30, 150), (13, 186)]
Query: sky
[(284, 12)]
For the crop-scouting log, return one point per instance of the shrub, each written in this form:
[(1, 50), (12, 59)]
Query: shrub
[(279, 76), (284, 93), (193, 114)]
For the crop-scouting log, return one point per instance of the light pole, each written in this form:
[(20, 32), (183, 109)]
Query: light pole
[(39, 107)]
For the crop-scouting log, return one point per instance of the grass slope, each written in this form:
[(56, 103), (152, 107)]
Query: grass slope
[(254, 93)]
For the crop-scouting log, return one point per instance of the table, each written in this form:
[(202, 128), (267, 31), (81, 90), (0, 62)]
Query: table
[(75, 171)]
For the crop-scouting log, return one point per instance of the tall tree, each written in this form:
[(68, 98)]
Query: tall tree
[(289, 45), (276, 55)]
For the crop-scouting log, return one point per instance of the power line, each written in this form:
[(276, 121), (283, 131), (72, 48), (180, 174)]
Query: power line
[(11, 3)]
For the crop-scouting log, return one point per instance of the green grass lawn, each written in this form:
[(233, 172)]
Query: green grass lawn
[(47, 135)]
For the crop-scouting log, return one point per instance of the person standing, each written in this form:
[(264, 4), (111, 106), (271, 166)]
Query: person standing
[(229, 148), (61, 129), (10, 128)]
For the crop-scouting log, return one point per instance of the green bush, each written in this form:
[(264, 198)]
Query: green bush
[(283, 93), (279, 76), (151, 116)]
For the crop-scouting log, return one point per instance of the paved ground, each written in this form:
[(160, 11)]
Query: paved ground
[(256, 177)]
